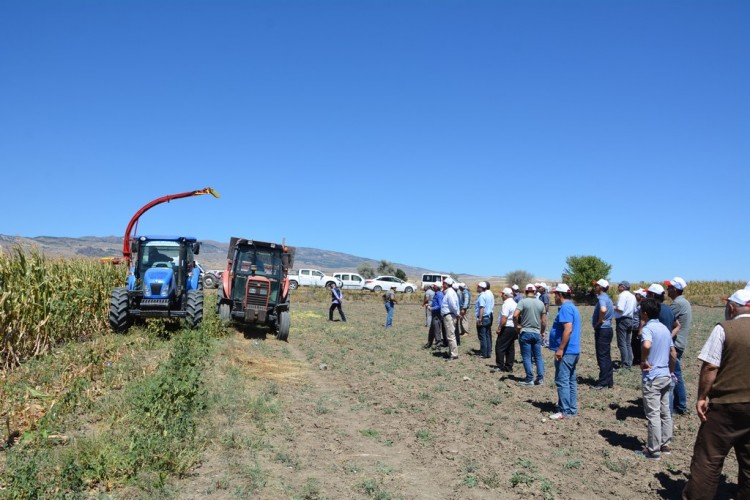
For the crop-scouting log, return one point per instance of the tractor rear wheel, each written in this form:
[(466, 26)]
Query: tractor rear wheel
[(285, 322), (194, 308), (225, 313), (119, 315)]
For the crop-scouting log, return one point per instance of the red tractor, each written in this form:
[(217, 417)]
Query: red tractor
[(254, 289)]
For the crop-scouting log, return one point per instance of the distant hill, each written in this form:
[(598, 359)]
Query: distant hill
[(213, 253)]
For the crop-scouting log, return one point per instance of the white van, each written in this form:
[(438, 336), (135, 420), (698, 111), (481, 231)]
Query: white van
[(352, 281), (430, 278)]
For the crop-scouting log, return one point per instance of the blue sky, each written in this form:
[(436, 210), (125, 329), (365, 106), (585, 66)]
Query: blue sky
[(468, 136)]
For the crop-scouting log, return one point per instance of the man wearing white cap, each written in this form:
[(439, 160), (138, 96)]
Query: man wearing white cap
[(683, 313), (517, 295), (449, 311), (624, 320), (565, 342), (505, 346), (666, 316), (457, 289), (723, 402), (435, 333), (483, 307), (530, 322), (635, 341), (604, 311), (429, 293)]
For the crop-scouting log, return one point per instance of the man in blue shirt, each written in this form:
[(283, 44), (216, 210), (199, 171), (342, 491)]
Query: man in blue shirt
[(565, 342), (436, 328), (604, 311)]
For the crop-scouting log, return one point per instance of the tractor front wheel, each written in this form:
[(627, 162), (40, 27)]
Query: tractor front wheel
[(285, 322), (225, 313), (194, 308), (119, 314)]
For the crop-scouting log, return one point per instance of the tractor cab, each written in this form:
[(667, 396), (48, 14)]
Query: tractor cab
[(255, 288)]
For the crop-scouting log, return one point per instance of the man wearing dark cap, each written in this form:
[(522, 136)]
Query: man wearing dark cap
[(624, 319), (723, 403)]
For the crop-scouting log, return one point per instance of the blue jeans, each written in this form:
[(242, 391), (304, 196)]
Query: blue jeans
[(531, 342), (678, 397), (567, 384), (389, 314), (485, 337)]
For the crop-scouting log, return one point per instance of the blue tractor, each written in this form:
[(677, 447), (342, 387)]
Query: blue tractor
[(163, 282)]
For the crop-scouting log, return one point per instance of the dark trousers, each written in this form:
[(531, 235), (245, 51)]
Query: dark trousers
[(727, 427), (505, 349), (484, 331), (335, 306), (603, 342), (635, 342), (436, 330)]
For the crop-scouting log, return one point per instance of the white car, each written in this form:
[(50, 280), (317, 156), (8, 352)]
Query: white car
[(386, 282), (352, 281)]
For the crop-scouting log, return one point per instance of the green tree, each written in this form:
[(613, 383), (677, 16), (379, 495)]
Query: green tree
[(519, 277), (386, 267), (400, 274), (582, 270), (366, 270)]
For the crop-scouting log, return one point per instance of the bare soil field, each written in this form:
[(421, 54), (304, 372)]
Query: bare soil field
[(352, 410)]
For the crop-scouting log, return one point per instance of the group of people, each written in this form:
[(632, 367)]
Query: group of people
[(649, 334)]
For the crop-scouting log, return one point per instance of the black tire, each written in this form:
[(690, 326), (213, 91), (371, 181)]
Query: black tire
[(210, 281), (377, 288), (285, 321), (329, 284), (408, 289), (225, 312), (194, 308), (119, 310), (293, 284)]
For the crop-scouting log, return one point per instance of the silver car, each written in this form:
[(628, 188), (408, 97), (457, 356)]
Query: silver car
[(386, 282)]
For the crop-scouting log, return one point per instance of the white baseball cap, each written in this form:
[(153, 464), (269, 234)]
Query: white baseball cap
[(529, 286), (676, 282), (543, 285), (562, 288), (602, 283), (437, 284), (515, 287), (482, 284), (507, 291), (640, 292), (741, 297), (462, 284), (455, 286), (656, 288), (448, 281)]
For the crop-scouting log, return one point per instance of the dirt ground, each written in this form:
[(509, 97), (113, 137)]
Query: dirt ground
[(364, 412)]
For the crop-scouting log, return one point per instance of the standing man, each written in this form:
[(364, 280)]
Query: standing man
[(517, 295), (531, 322), (635, 340), (658, 357), (723, 402), (505, 347), (565, 342), (666, 316), (483, 307), (604, 311), (426, 303), (449, 311), (436, 326), (465, 302), (336, 299), (683, 314), (624, 320), (541, 294), (389, 298)]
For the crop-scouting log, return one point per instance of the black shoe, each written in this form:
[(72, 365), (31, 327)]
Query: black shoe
[(426, 346)]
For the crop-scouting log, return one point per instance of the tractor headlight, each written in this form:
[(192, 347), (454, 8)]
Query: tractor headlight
[(164, 290)]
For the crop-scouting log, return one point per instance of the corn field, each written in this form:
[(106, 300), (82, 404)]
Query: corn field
[(45, 302)]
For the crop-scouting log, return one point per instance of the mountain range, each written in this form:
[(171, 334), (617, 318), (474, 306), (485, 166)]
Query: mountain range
[(213, 254)]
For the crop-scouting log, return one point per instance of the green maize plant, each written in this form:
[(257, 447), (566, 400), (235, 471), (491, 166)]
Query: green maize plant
[(45, 302)]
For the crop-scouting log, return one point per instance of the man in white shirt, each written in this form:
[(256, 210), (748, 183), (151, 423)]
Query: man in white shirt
[(505, 347), (624, 317), (449, 311)]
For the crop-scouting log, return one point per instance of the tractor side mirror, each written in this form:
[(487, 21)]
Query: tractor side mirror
[(285, 259), (196, 248)]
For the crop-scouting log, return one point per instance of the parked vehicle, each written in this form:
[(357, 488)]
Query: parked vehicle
[(386, 282), (352, 281), (210, 278), (312, 277), (162, 283), (255, 286), (430, 278)]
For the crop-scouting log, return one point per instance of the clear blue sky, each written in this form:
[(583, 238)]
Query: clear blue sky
[(468, 136)]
